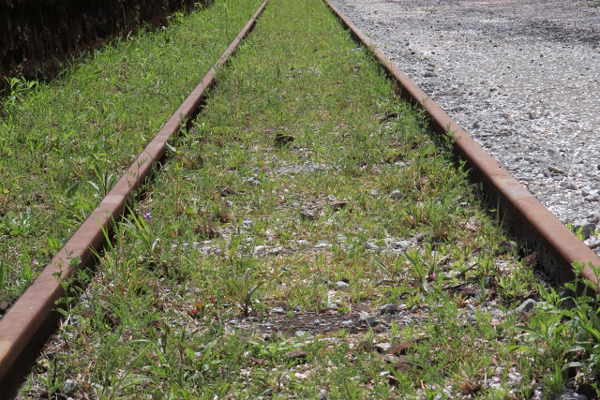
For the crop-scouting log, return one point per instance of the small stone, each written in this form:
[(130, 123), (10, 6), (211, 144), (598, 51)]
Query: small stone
[(374, 192), (341, 284), (300, 334), (247, 223), (403, 244), (275, 251), (571, 186), (586, 228), (556, 170), (254, 181), (277, 310), (363, 316), (382, 347), (414, 309), (308, 215), (594, 243), (371, 246), (258, 249), (331, 198), (322, 395), (347, 323), (388, 309), (593, 217), (396, 195), (297, 355), (593, 197), (322, 244), (526, 307), (69, 387), (303, 243)]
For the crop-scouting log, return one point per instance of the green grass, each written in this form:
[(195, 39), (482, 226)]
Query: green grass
[(63, 145), (241, 220)]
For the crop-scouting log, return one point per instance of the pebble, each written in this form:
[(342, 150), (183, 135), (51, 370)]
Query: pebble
[(368, 319), (594, 242), (585, 228), (322, 244), (275, 250), (388, 309), (341, 285), (396, 195), (297, 355), (308, 215), (303, 243), (371, 246), (382, 347), (69, 387), (526, 307), (254, 181)]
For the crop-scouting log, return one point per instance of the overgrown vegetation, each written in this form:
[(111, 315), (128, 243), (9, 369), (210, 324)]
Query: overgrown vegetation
[(302, 225), (62, 145)]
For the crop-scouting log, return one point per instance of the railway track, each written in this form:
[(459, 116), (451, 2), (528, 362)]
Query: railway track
[(558, 247), (30, 321), (32, 318)]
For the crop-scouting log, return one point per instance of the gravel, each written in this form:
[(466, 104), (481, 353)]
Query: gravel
[(521, 77)]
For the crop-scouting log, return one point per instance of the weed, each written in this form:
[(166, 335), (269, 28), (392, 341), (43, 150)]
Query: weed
[(287, 223)]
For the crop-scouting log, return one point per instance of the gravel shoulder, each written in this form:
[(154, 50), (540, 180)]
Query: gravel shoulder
[(521, 77)]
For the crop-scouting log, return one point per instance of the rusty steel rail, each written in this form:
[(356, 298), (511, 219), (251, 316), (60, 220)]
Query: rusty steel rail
[(558, 248), (31, 320)]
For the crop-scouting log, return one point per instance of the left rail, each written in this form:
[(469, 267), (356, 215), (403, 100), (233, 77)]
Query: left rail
[(31, 320)]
